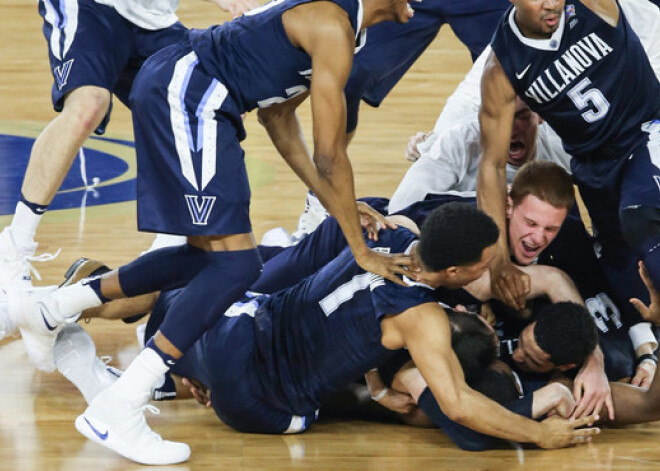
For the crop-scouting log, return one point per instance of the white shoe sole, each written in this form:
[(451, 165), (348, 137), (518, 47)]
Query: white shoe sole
[(100, 433)]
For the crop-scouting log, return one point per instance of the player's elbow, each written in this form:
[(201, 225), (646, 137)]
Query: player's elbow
[(457, 414), (268, 117), (560, 287), (455, 409)]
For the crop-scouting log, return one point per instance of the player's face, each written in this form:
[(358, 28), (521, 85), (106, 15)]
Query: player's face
[(533, 224), (528, 356), (522, 147), (538, 19), (466, 274)]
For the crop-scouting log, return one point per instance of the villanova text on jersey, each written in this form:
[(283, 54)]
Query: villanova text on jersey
[(591, 81), (565, 70)]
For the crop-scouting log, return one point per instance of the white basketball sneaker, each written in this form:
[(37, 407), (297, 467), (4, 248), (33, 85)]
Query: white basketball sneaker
[(313, 215), (119, 424), (39, 321), (16, 262), (75, 357)]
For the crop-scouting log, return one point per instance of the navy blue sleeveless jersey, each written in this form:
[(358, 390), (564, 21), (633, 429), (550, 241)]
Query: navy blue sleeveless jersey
[(254, 58), (324, 332), (592, 82)]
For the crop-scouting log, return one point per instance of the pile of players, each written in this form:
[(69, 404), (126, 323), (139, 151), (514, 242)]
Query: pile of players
[(273, 344)]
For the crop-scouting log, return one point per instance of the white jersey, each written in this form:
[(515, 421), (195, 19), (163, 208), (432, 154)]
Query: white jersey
[(147, 14), (463, 105), (451, 163)]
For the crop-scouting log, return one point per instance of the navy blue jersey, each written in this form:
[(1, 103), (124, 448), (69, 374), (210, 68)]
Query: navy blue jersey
[(322, 333), (592, 82), (254, 58)]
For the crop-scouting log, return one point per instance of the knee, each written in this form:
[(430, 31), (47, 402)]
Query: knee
[(245, 267), (86, 107), (640, 225)]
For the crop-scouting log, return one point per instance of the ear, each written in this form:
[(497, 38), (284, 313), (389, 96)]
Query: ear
[(509, 207), (566, 367), (452, 271)]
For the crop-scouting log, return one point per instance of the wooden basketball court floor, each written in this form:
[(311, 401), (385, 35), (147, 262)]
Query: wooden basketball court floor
[(37, 410)]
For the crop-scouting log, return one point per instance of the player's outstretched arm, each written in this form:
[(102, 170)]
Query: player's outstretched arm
[(425, 331), (327, 36), (509, 284)]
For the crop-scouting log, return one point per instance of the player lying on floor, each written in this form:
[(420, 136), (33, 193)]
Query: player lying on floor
[(271, 360), (632, 404)]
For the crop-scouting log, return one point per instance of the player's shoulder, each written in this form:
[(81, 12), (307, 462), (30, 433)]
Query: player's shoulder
[(397, 240)]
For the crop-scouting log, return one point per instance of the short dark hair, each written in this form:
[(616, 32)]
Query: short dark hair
[(566, 331), (497, 384), (455, 234), (547, 181), (473, 342)]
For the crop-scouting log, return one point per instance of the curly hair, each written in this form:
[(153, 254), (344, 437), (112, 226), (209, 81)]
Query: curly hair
[(567, 332), (455, 234)]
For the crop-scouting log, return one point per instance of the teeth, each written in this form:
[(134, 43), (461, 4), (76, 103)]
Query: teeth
[(528, 248)]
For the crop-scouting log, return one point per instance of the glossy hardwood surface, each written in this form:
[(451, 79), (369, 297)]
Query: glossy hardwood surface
[(37, 410)]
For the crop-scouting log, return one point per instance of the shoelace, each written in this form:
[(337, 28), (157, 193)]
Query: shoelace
[(106, 359), (155, 411), (44, 257)]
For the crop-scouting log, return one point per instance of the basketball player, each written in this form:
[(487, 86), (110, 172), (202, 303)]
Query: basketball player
[(271, 360), (187, 103), (95, 50), (542, 52)]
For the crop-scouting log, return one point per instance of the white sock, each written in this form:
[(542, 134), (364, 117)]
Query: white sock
[(141, 376), (72, 300), (24, 225)]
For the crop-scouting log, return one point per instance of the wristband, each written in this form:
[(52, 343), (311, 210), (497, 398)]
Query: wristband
[(381, 394), (648, 357)]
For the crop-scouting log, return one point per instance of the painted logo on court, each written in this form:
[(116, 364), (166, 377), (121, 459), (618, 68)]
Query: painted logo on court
[(104, 173)]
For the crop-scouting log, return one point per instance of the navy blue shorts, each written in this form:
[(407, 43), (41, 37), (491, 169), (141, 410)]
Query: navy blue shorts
[(92, 44), (191, 177), (607, 188), (391, 48), (223, 359)]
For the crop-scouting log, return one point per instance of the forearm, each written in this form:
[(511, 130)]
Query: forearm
[(285, 133), (491, 198), (488, 417), (463, 437), (553, 283), (335, 188), (329, 175)]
